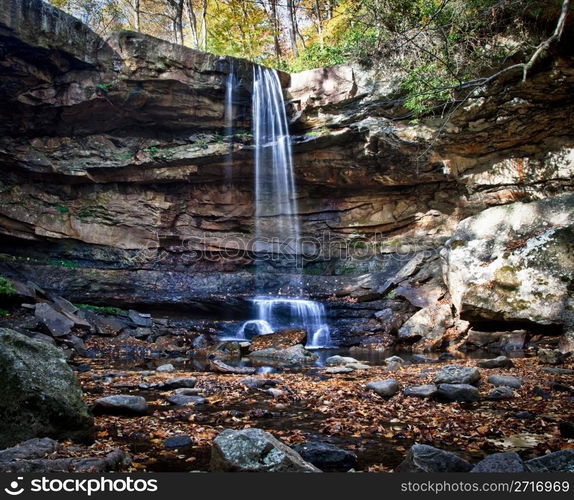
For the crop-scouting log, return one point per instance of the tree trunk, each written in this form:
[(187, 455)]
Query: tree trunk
[(193, 24), (204, 25), (319, 25), (137, 14), (293, 27), (276, 30)]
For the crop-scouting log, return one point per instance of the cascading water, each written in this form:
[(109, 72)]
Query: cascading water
[(276, 221), (229, 102)]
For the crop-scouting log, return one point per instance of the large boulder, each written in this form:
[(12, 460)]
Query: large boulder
[(429, 325), (254, 450), (457, 374), (501, 462), (40, 394), (327, 456), (559, 461), (424, 458), (515, 263)]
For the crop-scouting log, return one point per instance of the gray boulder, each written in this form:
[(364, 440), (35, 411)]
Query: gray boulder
[(58, 324), (339, 360), (183, 400), (254, 450), (421, 391), (463, 393), (559, 461), (179, 383), (501, 393), (507, 380), (40, 393), (424, 458), (326, 456), (498, 362), (167, 368), (384, 388), (120, 405), (501, 462), (457, 374)]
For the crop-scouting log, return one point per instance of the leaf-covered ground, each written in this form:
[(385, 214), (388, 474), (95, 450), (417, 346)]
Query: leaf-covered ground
[(336, 408)]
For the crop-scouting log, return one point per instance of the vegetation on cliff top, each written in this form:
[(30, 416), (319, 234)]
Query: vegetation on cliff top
[(438, 44)]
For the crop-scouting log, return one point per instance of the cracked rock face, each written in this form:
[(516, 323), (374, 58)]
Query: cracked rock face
[(515, 263)]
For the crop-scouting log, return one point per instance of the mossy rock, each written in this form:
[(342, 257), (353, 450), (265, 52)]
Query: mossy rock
[(40, 394)]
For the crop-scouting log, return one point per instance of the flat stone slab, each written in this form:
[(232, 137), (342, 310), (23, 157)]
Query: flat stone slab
[(120, 405)]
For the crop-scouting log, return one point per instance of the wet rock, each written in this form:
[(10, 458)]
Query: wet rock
[(179, 383), (187, 391), (58, 324), (174, 442), (33, 456), (421, 391), (463, 393), (295, 355), (558, 371), (457, 374), (501, 393), (384, 388), (140, 332), (120, 405), (357, 366), (181, 400), (498, 362), (254, 450), (421, 359), (281, 339), (542, 393), (559, 461), (334, 370), (276, 393), (339, 360), (139, 319), (219, 366), (424, 458), (507, 380), (82, 368), (551, 356), (167, 368), (33, 448), (524, 415), (326, 456), (508, 462), (31, 370), (107, 325), (566, 429), (395, 359), (259, 383)]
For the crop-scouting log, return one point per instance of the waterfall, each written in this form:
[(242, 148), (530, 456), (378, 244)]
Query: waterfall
[(277, 231), (276, 222), (228, 117)]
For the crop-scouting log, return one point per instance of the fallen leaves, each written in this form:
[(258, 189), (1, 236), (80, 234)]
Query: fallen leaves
[(337, 408)]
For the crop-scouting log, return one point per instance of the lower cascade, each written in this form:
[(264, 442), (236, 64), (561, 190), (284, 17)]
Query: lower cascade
[(278, 313)]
